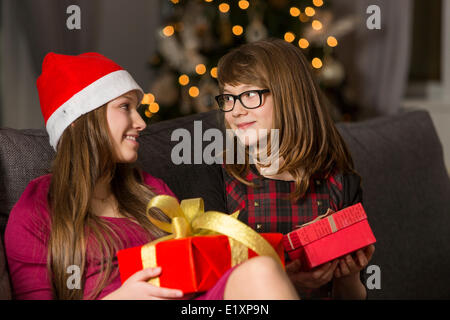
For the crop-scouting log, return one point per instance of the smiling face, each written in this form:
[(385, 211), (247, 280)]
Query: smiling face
[(125, 124), (247, 123)]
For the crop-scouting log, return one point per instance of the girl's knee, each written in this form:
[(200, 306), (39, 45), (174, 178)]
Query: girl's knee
[(259, 278), (262, 266)]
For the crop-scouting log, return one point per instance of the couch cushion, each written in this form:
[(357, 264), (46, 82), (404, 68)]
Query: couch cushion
[(24, 155), (406, 192)]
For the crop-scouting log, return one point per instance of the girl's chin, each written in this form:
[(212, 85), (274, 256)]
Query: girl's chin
[(126, 161), (128, 158), (251, 140), (248, 142)]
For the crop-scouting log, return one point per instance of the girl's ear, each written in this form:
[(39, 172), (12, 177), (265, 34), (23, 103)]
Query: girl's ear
[(72, 124)]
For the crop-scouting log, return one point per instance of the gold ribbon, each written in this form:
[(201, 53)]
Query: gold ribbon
[(190, 219)]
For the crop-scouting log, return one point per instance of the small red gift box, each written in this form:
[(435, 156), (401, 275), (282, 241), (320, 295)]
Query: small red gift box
[(330, 237), (192, 264)]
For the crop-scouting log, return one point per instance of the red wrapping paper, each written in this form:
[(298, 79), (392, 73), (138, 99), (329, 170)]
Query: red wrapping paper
[(192, 264), (316, 243)]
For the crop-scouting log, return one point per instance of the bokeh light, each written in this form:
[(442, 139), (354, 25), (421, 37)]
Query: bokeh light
[(200, 68), (243, 4), (289, 36), (224, 7), (294, 11), (309, 11), (148, 98), (183, 80), (318, 3), (154, 107), (316, 25), (317, 63), (213, 72), (194, 92), (168, 31), (331, 41), (303, 43), (237, 30)]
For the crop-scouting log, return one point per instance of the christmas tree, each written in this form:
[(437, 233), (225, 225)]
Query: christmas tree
[(196, 33)]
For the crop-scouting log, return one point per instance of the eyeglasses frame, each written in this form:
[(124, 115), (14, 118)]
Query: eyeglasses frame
[(238, 97)]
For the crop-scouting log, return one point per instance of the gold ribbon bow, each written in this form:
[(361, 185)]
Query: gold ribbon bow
[(190, 219)]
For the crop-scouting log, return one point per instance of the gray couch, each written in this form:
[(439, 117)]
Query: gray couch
[(405, 184)]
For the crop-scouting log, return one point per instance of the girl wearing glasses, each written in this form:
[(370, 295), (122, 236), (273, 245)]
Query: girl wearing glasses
[(268, 85)]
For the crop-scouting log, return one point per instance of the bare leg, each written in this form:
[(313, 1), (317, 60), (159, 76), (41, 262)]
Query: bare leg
[(260, 278)]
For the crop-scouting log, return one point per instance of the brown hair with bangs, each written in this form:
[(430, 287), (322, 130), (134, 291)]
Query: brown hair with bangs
[(85, 155), (309, 141)]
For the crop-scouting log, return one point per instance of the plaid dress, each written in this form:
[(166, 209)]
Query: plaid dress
[(267, 207)]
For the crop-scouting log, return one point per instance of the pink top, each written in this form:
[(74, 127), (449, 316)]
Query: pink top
[(27, 234)]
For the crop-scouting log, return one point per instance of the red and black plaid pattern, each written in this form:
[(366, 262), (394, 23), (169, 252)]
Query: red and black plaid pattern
[(267, 207)]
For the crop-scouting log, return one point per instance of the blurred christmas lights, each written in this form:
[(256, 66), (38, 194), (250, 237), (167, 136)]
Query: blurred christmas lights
[(237, 30), (309, 11), (243, 4), (168, 31), (194, 92), (183, 80), (224, 7), (303, 43), (213, 72), (317, 63), (331, 41), (316, 25), (289, 36), (294, 11)]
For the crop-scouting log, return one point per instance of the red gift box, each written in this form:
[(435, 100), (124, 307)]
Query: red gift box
[(192, 264), (330, 237)]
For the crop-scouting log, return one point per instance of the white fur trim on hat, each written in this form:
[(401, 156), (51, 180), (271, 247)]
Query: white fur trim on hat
[(95, 95)]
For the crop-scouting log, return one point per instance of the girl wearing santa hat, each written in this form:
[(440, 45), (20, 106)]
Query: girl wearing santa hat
[(63, 234)]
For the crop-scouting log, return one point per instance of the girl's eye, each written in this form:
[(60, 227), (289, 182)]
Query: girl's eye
[(127, 106), (250, 94), (228, 99)]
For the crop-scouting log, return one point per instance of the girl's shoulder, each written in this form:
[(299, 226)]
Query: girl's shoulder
[(29, 219), (39, 182), (345, 188), (35, 193), (342, 179)]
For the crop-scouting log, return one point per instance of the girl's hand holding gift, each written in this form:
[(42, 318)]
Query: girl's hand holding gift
[(350, 265), (343, 271), (137, 288), (313, 279), (347, 283)]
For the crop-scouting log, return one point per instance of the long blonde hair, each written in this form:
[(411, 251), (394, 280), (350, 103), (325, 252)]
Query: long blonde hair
[(309, 141), (85, 155)]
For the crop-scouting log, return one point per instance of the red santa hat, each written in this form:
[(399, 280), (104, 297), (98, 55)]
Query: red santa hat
[(71, 86)]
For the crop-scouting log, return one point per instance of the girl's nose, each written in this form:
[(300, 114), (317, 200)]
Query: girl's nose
[(238, 109), (138, 122)]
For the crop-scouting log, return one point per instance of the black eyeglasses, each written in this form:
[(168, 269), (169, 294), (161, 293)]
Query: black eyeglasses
[(251, 99)]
